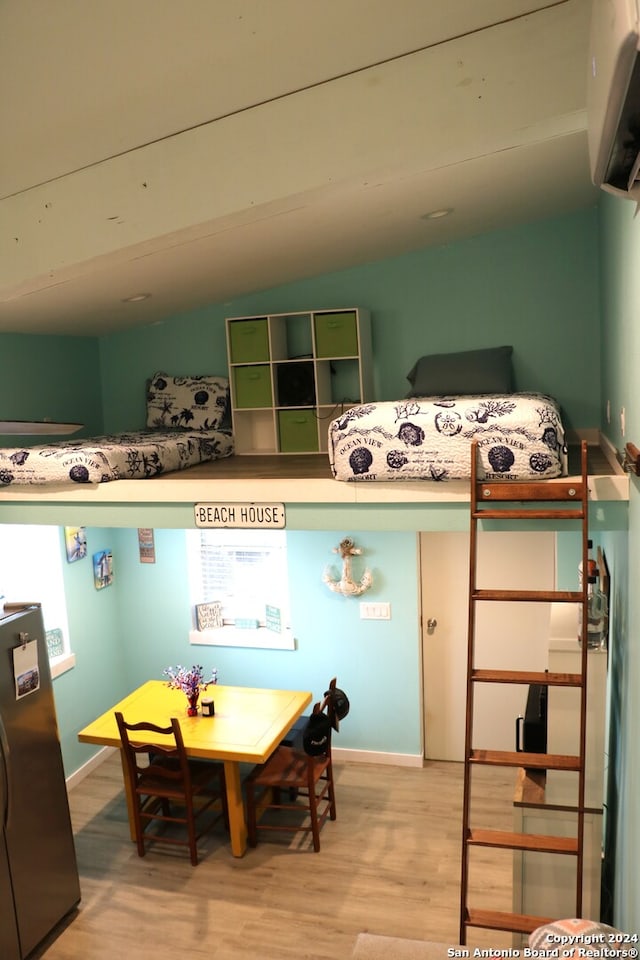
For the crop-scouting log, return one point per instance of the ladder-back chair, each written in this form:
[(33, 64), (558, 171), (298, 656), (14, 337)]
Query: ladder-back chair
[(167, 788), (304, 775)]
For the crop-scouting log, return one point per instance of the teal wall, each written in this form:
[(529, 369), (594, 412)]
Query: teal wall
[(131, 631), (535, 287), (99, 678), (50, 378), (620, 285)]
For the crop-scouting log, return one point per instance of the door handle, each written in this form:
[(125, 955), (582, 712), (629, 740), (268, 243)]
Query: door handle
[(432, 623)]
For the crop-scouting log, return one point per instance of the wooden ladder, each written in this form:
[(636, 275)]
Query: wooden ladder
[(562, 500)]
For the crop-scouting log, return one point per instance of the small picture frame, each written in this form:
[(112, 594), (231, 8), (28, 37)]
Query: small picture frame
[(209, 616), (146, 545), (102, 569), (75, 540), (273, 618)]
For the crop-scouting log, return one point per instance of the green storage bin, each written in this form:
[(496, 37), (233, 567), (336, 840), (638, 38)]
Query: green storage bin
[(252, 386), (336, 334), (249, 340), (298, 431)]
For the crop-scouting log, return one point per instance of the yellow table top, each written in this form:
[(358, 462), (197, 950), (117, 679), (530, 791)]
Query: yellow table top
[(248, 724)]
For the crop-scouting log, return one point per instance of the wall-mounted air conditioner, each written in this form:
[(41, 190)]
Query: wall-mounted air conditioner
[(613, 97)]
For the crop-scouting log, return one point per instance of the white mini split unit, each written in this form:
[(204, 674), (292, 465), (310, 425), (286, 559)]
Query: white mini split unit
[(613, 97)]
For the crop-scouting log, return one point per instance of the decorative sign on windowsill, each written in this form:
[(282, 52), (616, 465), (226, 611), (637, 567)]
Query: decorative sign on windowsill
[(273, 620), (267, 516), (55, 642), (209, 616)]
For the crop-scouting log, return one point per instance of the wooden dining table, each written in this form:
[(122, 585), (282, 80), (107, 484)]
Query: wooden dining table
[(247, 726)]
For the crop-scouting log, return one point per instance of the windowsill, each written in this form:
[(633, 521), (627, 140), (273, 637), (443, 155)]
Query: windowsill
[(235, 637), (62, 664)]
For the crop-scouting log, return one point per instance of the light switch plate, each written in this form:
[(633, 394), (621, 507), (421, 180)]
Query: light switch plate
[(375, 611)]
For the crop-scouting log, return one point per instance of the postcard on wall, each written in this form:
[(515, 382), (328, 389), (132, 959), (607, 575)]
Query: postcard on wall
[(102, 569), (25, 669), (146, 545), (75, 539)]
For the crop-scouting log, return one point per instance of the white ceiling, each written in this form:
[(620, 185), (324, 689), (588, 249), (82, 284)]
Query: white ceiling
[(207, 149)]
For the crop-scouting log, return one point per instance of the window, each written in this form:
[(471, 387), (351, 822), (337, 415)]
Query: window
[(31, 570), (246, 572)]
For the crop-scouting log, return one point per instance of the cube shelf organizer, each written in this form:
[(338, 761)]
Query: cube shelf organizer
[(292, 373)]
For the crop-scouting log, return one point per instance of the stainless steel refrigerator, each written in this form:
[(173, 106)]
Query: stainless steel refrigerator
[(39, 882)]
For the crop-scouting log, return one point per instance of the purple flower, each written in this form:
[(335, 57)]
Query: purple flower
[(189, 681)]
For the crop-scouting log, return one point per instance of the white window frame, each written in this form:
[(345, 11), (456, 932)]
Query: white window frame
[(31, 569), (229, 634)]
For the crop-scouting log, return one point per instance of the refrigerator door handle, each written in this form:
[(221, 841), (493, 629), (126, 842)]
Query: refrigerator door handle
[(4, 756)]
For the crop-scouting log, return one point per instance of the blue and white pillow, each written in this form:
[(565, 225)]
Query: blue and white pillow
[(189, 403)]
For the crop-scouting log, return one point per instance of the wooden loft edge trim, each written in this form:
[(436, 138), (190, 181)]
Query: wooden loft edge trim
[(632, 458)]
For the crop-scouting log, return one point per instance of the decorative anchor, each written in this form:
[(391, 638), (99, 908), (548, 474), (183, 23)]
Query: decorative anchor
[(347, 585)]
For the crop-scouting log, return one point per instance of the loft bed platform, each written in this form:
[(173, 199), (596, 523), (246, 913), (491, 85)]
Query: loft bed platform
[(413, 451), (297, 478)]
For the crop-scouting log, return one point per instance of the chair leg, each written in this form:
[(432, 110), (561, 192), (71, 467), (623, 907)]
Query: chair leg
[(191, 832), (313, 814), (252, 831), (332, 793), (137, 826), (222, 784)]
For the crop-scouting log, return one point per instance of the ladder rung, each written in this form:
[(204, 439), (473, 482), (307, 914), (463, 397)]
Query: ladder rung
[(539, 843), (532, 514), (536, 596), (513, 922), (533, 761), (527, 676), (545, 492)]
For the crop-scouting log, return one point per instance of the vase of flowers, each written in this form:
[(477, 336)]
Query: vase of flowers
[(191, 681)]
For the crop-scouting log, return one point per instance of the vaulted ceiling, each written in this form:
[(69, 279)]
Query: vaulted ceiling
[(202, 150)]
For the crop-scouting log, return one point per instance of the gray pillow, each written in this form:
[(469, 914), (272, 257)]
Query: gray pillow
[(463, 374)]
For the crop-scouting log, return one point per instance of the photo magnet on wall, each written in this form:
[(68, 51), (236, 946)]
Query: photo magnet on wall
[(102, 569), (75, 539)]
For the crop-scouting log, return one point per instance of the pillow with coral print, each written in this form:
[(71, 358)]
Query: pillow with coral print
[(189, 403), (575, 938)]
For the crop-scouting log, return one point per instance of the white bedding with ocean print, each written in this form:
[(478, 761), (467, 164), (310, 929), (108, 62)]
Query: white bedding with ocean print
[(520, 437), (138, 455)]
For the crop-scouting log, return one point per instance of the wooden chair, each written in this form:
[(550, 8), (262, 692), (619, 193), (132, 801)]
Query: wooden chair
[(303, 775), (293, 737), (167, 787)]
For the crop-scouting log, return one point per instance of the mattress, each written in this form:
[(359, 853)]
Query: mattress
[(123, 456), (520, 437)]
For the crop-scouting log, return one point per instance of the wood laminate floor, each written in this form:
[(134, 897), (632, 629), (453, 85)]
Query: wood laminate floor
[(388, 865)]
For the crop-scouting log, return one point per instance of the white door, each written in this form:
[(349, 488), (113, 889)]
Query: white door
[(508, 635)]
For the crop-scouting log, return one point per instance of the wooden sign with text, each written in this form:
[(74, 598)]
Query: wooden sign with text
[(264, 516)]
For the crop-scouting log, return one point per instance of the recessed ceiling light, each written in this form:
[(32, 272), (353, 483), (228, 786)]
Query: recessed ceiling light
[(136, 298), (437, 214)]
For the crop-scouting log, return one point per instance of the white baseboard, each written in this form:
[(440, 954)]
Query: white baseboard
[(357, 756), (78, 775), (373, 756)]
